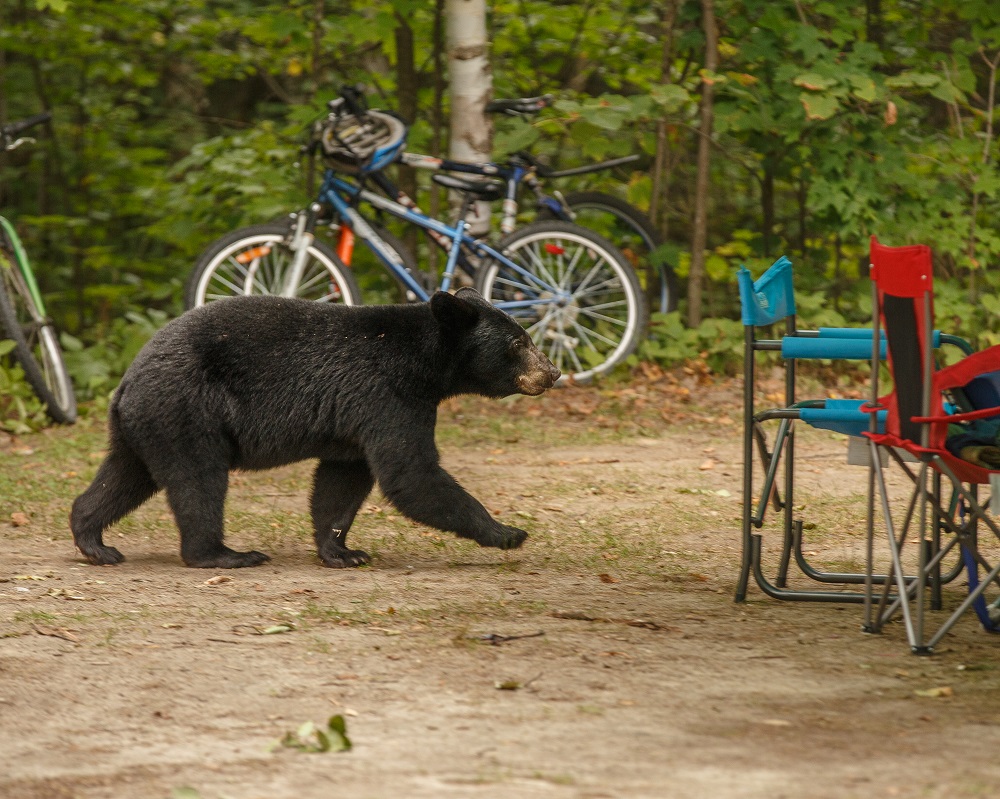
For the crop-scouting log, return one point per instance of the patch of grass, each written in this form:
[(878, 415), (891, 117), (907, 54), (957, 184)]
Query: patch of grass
[(34, 616)]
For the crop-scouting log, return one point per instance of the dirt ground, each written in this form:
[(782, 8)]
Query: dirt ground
[(604, 659)]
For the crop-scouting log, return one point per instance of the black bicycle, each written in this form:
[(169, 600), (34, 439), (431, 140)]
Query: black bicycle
[(618, 221)]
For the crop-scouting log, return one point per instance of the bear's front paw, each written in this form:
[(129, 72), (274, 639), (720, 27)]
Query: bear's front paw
[(344, 558), (511, 537), (226, 558)]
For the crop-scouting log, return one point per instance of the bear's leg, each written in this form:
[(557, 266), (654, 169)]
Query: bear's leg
[(122, 484), (423, 491), (339, 488), (198, 500)]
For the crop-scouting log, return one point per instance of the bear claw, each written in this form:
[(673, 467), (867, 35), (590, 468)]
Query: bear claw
[(103, 556), (345, 558), (229, 559), (513, 537)]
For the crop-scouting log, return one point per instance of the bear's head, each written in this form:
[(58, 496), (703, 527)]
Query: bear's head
[(495, 356)]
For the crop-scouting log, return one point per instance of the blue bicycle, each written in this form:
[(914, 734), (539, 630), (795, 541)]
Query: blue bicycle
[(574, 292)]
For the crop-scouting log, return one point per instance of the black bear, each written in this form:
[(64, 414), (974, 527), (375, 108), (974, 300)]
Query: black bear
[(258, 382)]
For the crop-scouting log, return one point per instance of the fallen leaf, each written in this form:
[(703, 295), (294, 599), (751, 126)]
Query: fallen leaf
[(55, 632), (219, 579), (934, 693), (277, 629), (62, 593), (709, 464), (776, 722), (607, 578), (19, 519)]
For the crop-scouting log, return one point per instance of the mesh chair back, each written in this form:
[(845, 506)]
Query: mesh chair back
[(904, 288)]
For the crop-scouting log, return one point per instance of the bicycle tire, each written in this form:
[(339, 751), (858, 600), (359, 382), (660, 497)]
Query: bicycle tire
[(600, 314), (633, 233), (36, 345), (253, 260)]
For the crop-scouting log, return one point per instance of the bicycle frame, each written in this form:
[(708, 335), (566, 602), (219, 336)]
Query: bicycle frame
[(513, 175), (341, 195), (520, 169), (21, 257)]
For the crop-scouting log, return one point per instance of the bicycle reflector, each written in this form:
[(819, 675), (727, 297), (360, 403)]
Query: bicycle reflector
[(555, 249), (253, 254)]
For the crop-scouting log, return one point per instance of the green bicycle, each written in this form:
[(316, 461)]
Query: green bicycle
[(23, 319)]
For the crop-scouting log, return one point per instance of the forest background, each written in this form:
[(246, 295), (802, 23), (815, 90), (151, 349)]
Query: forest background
[(821, 123)]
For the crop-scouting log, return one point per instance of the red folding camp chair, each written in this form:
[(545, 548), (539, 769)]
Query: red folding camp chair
[(926, 410)]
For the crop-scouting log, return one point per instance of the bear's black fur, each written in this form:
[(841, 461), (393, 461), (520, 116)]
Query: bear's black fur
[(257, 382)]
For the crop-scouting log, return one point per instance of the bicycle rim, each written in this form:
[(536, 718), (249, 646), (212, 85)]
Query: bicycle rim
[(258, 265), (36, 344), (593, 319), (633, 237)]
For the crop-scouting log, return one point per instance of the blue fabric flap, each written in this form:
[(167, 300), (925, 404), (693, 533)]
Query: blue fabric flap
[(770, 298)]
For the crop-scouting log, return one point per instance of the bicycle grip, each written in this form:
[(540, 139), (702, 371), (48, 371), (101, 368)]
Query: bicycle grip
[(15, 128)]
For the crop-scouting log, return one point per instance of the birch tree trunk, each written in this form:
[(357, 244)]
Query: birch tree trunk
[(471, 86), (699, 234)]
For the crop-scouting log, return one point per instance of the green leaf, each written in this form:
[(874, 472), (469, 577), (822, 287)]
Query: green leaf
[(670, 97), (814, 82), (821, 106), (7, 346)]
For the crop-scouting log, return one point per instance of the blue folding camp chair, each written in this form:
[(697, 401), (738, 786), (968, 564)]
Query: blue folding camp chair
[(765, 302)]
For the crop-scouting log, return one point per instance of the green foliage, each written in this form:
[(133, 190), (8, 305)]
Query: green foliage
[(20, 410), (717, 342)]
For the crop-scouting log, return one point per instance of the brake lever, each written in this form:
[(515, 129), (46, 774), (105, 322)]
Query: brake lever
[(18, 142)]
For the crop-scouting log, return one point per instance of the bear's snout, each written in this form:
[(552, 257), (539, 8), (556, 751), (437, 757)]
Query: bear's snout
[(539, 375)]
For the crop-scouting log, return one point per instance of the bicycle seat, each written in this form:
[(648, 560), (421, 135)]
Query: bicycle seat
[(487, 189), (519, 105)]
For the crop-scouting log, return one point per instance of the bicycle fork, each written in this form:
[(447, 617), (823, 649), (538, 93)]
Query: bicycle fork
[(302, 239)]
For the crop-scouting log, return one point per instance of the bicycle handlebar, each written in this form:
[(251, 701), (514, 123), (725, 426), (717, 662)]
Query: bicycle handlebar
[(520, 105), (545, 172), (12, 129)]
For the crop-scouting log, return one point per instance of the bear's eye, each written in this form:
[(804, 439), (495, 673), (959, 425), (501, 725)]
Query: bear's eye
[(517, 344)]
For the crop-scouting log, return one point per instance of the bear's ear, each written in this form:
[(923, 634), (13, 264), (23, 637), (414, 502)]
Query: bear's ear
[(451, 311), (469, 294)]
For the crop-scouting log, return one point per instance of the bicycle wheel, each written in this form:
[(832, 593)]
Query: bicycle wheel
[(632, 232), (36, 345), (256, 259), (576, 295)]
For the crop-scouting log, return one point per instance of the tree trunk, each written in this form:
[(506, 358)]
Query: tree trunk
[(767, 204), (406, 82), (471, 86), (437, 119), (658, 202), (699, 235)]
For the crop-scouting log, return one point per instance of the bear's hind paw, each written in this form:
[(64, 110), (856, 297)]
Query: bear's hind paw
[(103, 556)]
